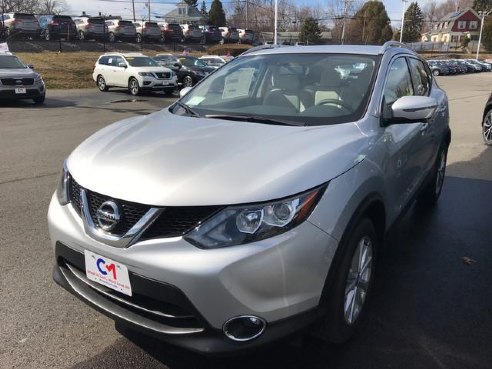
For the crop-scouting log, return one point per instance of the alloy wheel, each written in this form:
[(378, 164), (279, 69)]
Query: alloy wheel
[(101, 83), (358, 280), (487, 128), (134, 87), (187, 81)]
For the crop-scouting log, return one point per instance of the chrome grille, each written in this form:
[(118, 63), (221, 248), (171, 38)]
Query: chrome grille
[(165, 75)]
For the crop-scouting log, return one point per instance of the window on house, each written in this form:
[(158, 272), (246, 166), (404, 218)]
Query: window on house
[(473, 24), (461, 24)]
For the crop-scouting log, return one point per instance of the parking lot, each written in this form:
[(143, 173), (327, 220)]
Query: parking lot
[(432, 304)]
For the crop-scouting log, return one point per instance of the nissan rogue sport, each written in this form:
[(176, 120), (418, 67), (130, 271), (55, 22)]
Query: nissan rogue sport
[(254, 206)]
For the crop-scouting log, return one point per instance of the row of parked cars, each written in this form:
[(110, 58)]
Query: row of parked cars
[(458, 66), (51, 27)]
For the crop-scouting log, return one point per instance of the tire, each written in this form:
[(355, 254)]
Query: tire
[(430, 194), (133, 87), (101, 84), (47, 35), (39, 99), (487, 128), (139, 38), (435, 72), (187, 81), (352, 283), (111, 37), (81, 36)]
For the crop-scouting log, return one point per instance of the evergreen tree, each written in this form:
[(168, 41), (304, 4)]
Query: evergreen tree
[(310, 32), (371, 25), (487, 34), (484, 5), (203, 9), (414, 21), (216, 14), (193, 3)]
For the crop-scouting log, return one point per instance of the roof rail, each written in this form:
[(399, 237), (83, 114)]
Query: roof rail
[(262, 47), (390, 44)]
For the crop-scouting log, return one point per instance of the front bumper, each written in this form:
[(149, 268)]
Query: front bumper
[(153, 84), (32, 91), (279, 280)]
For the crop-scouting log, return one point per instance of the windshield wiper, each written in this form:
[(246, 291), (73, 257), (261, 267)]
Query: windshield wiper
[(255, 119), (187, 109)]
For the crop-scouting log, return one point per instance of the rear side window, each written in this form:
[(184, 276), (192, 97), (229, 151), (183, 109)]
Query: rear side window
[(151, 24), (420, 78), (125, 23), (95, 20), (104, 60)]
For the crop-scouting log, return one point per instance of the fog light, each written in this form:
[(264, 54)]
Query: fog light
[(244, 328)]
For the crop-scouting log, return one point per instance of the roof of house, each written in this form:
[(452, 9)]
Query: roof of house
[(192, 12)]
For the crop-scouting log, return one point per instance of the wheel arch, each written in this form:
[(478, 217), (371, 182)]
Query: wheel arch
[(372, 207)]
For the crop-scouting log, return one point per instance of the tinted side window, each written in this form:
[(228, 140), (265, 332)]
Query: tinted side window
[(104, 60), (398, 84), (421, 79)]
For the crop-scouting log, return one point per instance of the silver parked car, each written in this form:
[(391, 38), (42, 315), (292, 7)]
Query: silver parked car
[(18, 81), (254, 205)]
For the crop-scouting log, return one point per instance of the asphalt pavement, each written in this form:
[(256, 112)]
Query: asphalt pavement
[(432, 303)]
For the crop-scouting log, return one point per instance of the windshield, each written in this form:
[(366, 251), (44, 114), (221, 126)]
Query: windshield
[(309, 89), (10, 62), (141, 61), (190, 62)]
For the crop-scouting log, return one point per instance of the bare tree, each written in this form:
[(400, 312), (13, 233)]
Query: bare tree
[(26, 6), (52, 6)]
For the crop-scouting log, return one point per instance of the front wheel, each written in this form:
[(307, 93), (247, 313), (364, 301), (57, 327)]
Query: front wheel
[(111, 37), (39, 99), (139, 38), (101, 84), (487, 128), (133, 87), (435, 72), (352, 282), (187, 81), (47, 35), (81, 36)]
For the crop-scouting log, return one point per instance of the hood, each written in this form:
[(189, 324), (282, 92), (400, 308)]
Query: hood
[(168, 160), (17, 72), (158, 69)]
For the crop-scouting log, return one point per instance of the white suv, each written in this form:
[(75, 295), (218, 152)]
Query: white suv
[(135, 71)]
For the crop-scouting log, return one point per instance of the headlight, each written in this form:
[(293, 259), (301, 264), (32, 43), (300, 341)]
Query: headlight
[(62, 188), (145, 74), (238, 225)]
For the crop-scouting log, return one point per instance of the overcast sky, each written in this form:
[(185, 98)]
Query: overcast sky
[(161, 7)]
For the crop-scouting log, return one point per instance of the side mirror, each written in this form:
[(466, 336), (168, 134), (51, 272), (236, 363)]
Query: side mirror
[(409, 109), (30, 66), (122, 65), (177, 65), (184, 91)]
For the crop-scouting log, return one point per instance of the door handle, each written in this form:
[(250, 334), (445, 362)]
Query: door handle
[(423, 127)]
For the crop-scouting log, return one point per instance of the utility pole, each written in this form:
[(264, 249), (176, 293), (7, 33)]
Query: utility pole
[(148, 4), (247, 6), (483, 14), (345, 9), (133, 7), (402, 20), (276, 21)]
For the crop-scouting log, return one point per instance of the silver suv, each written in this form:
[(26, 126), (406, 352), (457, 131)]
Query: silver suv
[(254, 206)]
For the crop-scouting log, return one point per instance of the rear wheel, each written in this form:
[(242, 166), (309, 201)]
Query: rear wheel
[(47, 35), (435, 72), (487, 128), (133, 87), (352, 283), (111, 37), (101, 84), (432, 191), (139, 38), (81, 36)]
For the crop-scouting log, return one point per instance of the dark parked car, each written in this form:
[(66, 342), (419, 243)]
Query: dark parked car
[(438, 69), (57, 26), (487, 122), (169, 61), (211, 35), (192, 70), (171, 32)]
